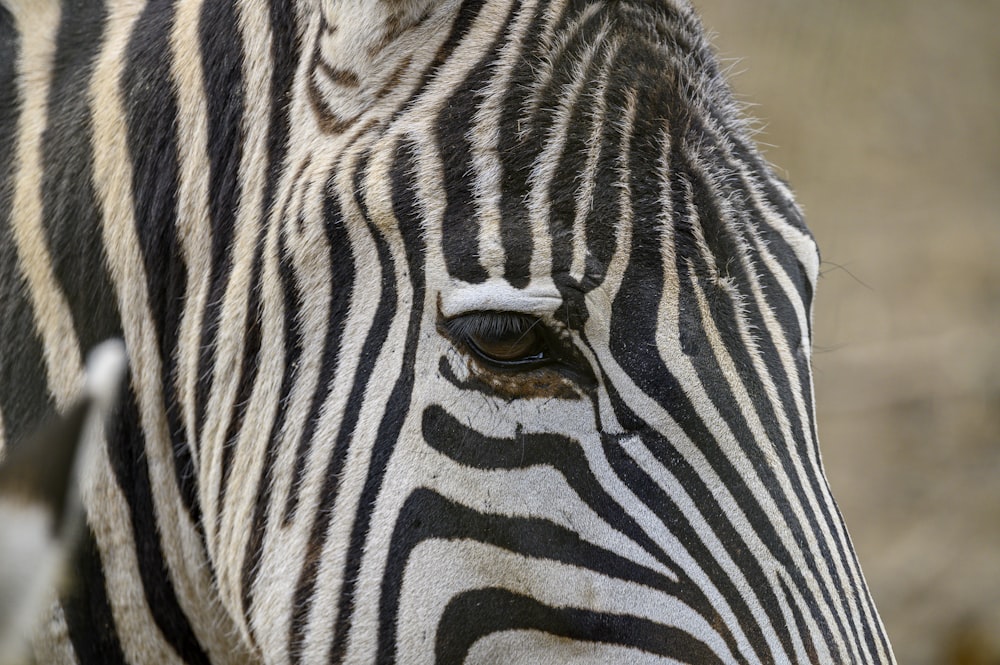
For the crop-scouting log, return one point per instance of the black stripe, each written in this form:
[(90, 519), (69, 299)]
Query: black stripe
[(89, 621), (152, 117), (427, 515), (473, 615), (517, 155), (460, 226), (601, 222), (221, 46), (71, 214), (153, 146), (130, 464), (285, 51), (566, 182), (801, 628), (463, 23), (24, 395)]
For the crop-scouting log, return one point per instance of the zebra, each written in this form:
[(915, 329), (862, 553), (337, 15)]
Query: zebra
[(458, 331)]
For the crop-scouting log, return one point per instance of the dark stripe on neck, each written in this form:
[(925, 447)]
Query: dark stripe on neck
[(221, 60), (89, 620), (130, 463), (71, 215), (151, 115)]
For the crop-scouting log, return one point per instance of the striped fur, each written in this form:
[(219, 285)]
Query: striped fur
[(298, 215)]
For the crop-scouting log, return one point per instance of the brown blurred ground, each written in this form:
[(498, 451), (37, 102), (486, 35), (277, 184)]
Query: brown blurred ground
[(885, 117)]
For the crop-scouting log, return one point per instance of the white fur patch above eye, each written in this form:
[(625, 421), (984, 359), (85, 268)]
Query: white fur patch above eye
[(497, 295)]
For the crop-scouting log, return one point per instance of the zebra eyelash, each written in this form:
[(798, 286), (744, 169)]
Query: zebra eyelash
[(558, 353), (491, 325)]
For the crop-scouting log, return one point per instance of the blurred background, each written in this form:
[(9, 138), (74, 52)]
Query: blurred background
[(885, 118)]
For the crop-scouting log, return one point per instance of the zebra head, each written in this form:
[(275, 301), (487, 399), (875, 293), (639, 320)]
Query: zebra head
[(459, 331), (546, 354)]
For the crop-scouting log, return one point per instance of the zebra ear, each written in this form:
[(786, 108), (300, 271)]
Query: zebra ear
[(361, 53), (40, 511)]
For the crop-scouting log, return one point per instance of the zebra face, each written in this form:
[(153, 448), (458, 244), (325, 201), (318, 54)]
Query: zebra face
[(572, 405), (459, 331)]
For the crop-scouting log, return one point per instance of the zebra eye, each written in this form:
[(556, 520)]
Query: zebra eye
[(506, 339)]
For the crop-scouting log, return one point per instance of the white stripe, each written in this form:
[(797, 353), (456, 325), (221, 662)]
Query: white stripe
[(236, 511), (193, 231), (585, 193), (53, 320), (230, 340)]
